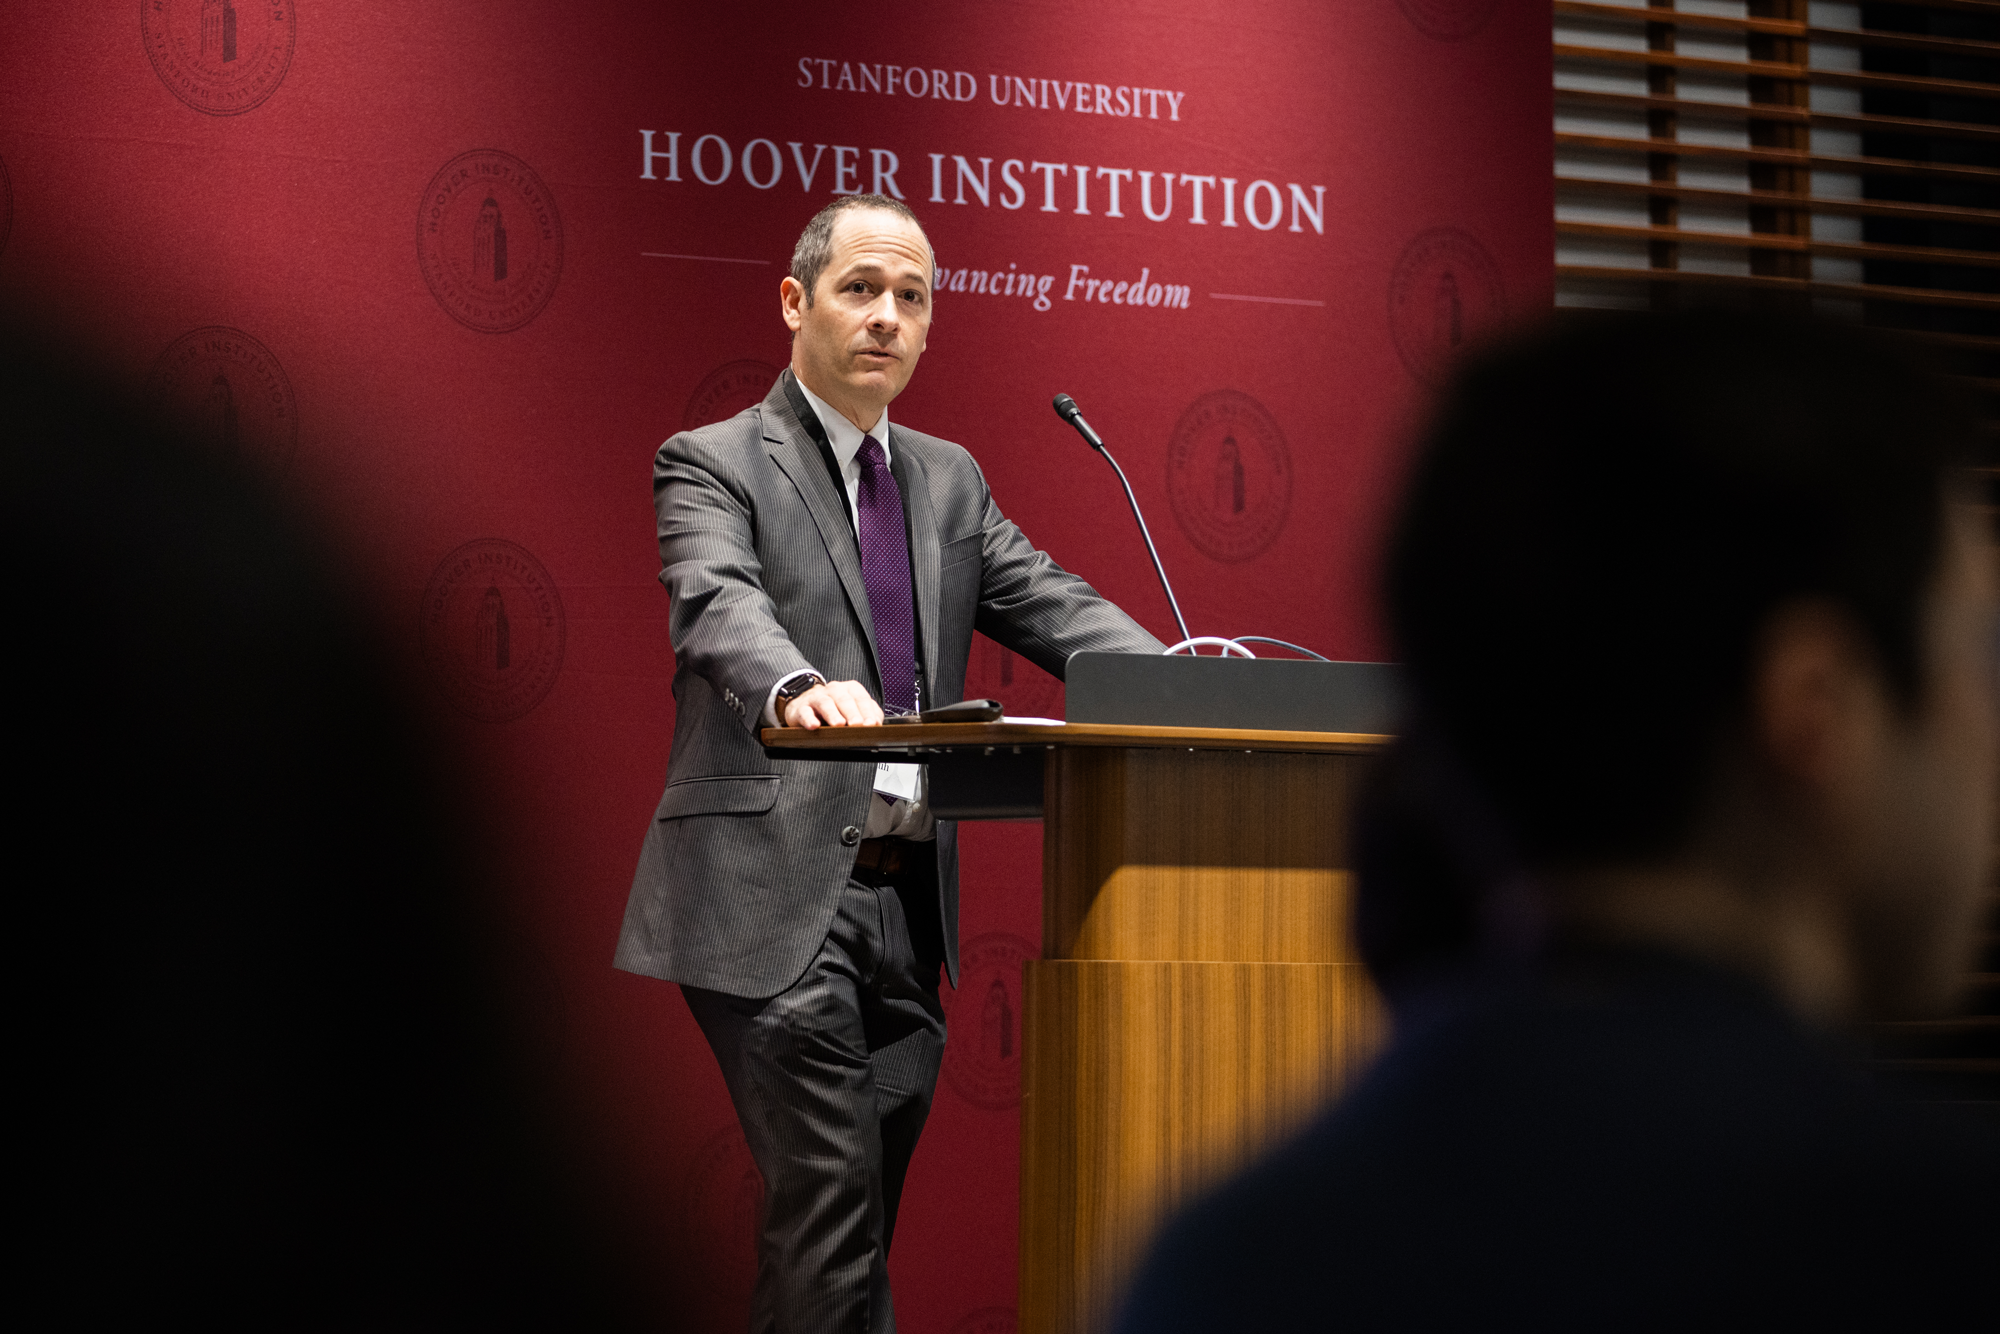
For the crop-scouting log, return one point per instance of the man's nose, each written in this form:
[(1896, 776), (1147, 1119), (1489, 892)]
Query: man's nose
[(882, 314)]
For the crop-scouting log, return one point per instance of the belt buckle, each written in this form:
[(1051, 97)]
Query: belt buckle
[(882, 856)]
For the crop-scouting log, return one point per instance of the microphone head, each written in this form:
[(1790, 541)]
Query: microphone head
[(1067, 409)]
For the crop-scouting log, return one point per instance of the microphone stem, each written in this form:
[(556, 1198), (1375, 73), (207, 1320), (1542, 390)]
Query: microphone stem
[(1151, 550)]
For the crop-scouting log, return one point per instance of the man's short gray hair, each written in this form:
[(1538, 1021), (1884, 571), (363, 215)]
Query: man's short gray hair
[(815, 248)]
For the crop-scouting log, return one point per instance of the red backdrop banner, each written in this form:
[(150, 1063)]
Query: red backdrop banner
[(454, 270)]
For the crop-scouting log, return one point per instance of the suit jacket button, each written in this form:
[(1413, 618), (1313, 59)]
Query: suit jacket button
[(850, 836)]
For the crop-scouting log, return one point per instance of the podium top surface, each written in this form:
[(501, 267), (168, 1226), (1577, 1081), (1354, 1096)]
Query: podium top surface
[(909, 739)]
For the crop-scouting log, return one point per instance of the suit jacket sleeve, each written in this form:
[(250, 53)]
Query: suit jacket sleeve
[(1037, 608), (724, 625)]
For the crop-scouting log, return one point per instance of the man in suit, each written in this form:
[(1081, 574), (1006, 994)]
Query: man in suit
[(825, 567)]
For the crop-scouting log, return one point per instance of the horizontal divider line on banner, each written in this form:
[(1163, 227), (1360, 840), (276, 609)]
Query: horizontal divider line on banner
[(706, 259), (1271, 300)]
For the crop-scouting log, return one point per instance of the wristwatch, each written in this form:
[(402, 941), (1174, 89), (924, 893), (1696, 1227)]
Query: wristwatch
[(792, 689)]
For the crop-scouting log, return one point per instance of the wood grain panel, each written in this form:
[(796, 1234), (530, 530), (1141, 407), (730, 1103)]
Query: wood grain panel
[(1205, 855), (1143, 1084)]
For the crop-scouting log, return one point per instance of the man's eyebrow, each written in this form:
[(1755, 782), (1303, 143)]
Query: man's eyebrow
[(864, 268)]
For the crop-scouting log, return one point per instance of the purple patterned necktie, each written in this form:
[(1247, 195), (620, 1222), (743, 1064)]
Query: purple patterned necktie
[(885, 571)]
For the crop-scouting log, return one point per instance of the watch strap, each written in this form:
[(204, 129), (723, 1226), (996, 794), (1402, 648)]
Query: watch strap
[(798, 685)]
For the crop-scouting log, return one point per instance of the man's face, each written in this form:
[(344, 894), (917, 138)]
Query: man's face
[(857, 343), (1934, 797)]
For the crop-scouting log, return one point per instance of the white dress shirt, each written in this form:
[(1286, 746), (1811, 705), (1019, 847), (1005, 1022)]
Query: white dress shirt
[(897, 816)]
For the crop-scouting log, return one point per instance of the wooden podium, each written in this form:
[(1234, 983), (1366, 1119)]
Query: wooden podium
[(1198, 994)]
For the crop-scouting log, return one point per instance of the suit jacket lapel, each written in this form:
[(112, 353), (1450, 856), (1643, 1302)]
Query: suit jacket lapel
[(793, 448), (924, 549)]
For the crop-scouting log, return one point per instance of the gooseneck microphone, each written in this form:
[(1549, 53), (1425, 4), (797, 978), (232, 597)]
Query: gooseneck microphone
[(1067, 409)]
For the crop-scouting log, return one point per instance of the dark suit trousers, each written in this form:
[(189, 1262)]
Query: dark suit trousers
[(832, 1080)]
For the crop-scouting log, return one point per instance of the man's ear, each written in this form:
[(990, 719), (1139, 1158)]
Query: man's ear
[(791, 302), (1818, 700)]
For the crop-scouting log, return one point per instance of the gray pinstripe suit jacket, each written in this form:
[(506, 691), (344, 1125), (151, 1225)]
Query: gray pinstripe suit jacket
[(744, 863)]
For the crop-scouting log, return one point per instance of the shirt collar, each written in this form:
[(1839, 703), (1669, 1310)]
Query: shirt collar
[(843, 435)]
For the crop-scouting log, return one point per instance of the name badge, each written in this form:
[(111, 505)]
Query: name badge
[(898, 782)]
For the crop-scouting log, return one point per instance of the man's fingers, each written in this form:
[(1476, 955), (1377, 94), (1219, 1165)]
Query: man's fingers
[(841, 695), (811, 710), (836, 704), (856, 704)]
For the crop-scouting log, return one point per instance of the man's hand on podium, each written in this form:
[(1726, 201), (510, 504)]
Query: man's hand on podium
[(833, 704)]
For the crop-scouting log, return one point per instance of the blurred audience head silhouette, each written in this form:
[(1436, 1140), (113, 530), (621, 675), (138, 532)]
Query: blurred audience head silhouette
[(1698, 610), (268, 1074), (1698, 618)]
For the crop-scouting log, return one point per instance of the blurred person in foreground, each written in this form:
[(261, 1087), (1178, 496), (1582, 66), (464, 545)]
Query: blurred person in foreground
[(263, 1073), (1699, 619)]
